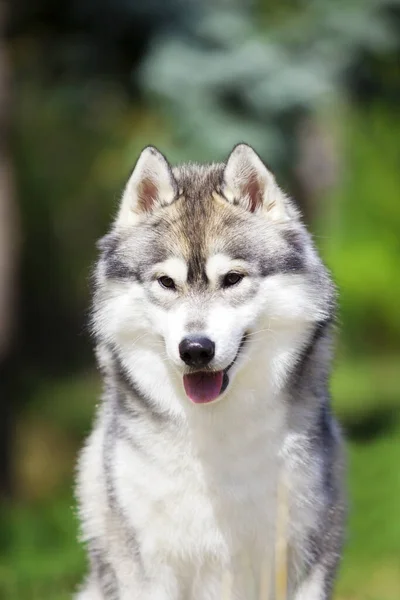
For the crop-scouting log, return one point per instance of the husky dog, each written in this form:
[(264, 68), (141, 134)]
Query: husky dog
[(213, 317)]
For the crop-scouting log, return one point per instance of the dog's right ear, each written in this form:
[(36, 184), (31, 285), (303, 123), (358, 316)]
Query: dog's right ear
[(151, 185)]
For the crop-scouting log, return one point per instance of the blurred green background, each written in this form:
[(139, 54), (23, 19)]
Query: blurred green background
[(315, 87)]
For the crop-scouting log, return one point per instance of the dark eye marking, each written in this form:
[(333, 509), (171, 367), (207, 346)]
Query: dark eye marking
[(231, 279), (166, 282)]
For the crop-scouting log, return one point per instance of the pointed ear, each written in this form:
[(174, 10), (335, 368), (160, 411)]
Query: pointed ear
[(151, 185), (249, 183)]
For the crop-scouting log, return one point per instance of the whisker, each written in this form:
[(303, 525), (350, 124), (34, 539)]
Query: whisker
[(258, 331)]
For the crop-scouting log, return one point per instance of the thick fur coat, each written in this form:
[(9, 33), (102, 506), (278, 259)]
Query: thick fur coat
[(225, 481)]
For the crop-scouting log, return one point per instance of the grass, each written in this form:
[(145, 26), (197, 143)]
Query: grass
[(371, 564), (367, 401), (40, 558)]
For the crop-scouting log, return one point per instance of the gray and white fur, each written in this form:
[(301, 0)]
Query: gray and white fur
[(178, 498)]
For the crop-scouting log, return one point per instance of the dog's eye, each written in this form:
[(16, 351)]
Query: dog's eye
[(232, 278), (166, 282)]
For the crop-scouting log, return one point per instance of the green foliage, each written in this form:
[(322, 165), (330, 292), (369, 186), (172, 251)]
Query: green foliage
[(361, 240), (233, 76)]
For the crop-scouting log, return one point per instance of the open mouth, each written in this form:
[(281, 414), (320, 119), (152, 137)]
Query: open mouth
[(205, 386)]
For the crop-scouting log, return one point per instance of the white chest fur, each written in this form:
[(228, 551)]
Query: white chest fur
[(203, 498)]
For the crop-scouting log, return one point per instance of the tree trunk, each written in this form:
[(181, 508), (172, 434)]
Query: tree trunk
[(9, 243)]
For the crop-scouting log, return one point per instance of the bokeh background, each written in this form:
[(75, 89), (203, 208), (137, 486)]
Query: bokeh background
[(314, 86)]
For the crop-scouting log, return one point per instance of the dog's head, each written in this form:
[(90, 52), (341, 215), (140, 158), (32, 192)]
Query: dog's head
[(205, 267)]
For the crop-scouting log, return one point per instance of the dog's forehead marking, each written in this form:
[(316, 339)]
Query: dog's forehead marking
[(174, 267)]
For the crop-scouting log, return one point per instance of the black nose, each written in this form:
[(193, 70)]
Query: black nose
[(196, 351)]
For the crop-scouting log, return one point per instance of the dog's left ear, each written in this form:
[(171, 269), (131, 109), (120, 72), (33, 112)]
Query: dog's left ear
[(249, 183), (150, 186)]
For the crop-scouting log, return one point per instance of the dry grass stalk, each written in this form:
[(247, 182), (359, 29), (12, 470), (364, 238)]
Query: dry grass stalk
[(281, 553), (227, 584)]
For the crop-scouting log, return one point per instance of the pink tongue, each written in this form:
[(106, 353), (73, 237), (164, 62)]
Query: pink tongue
[(203, 387)]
